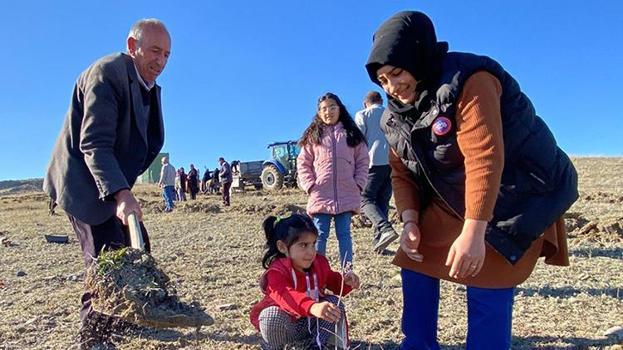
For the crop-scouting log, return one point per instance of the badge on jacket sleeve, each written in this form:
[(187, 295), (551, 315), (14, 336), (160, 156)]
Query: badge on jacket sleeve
[(442, 125)]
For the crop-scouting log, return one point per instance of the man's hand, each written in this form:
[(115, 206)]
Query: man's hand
[(127, 204), (467, 253), (410, 241), (326, 311)]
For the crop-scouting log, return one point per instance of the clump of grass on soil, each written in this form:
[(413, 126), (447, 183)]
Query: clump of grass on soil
[(127, 283)]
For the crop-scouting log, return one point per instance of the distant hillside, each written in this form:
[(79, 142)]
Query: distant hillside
[(20, 186), (11, 187)]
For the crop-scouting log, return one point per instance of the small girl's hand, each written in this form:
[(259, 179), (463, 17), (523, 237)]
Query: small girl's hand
[(351, 279), (326, 311)]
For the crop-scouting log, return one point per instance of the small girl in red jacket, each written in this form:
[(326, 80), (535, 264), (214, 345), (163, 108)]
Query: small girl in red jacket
[(295, 307)]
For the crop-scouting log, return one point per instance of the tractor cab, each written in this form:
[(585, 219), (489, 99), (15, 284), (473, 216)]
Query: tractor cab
[(281, 168)]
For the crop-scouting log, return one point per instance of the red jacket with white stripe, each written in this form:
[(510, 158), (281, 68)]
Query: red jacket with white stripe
[(277, 284)]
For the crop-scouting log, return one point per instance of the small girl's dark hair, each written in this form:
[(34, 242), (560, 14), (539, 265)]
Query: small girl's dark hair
[(288, 230)]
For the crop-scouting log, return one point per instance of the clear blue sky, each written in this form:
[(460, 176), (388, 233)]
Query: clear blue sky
[(244, 74)]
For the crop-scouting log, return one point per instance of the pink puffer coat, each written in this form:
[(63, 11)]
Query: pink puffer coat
[(332, 173)]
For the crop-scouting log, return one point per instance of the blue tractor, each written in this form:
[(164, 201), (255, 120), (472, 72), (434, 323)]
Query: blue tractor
[(281, 168)]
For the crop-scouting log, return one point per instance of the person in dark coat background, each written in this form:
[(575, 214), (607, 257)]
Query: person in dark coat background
[(204, 181), (193, 182)]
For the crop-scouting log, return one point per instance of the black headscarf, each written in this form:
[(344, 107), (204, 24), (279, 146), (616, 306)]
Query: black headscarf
[(407, 40)]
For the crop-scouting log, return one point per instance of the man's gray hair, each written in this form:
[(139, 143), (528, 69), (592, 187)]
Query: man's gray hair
[(136, 31)]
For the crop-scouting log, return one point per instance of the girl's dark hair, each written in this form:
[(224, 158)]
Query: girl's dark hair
[(314, 131), (288, 230)]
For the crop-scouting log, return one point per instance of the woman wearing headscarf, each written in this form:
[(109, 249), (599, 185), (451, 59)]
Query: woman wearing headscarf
[(479, 182)]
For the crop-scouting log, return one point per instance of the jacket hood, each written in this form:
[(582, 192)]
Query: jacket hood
[(283, 265)]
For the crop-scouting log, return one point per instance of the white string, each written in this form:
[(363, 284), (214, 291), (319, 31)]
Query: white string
[(315, 295), (317, 298)]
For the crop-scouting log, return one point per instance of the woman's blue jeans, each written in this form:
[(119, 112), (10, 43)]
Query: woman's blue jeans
[(489, 314)]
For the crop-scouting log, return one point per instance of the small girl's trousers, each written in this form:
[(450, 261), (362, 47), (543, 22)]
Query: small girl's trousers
[(279, 329)]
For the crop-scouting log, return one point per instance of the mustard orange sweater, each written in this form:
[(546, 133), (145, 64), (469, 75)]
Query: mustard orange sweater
[(479, 136)]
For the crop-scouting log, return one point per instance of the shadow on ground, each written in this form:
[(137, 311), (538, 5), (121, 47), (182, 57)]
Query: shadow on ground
[(592, 252), (567, 292), (538, 342), (535, 342)]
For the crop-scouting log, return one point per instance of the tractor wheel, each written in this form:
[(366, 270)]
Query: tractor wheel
[(272, 179)]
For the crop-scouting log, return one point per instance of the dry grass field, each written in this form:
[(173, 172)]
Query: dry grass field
[(213, 254)]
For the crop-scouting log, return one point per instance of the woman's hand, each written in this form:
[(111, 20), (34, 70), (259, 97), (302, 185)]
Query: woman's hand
[(467, 253), (410, 240), (326, 311), (351, 279)]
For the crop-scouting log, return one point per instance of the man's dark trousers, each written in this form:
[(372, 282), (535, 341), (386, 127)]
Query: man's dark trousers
[(226, 187), (376, 196)]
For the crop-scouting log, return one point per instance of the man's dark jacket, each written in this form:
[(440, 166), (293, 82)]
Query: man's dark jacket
[(112, 132)]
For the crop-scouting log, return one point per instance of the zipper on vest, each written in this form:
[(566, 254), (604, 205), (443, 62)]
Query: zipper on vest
[(437, 192), (534, 176), (334, 160)]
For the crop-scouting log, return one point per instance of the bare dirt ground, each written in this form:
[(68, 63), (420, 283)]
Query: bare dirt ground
[(213, 255)]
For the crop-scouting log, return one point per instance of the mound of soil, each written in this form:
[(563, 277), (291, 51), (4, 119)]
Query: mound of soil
[(603, 197), (156, 207), (614, 227), (288, 209), (198, 207), (595, 231), (574, 221), (151, 207), (270, 209), (128, 284)]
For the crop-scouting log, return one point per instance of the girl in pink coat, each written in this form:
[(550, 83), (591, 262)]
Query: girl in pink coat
[(333, 169)]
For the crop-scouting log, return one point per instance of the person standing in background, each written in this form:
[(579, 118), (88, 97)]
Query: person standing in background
[(167, 183), (378, 190), (204, 181), (180, 185), (225, 177), (193, 182), (214, 182)]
